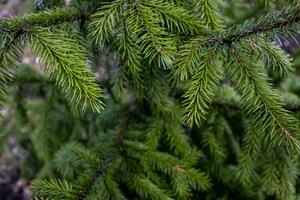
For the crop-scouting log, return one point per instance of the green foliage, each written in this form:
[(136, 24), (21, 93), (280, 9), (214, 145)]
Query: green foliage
[(202, 87), (10, 50), (277, 61), (64, 61), (266, 110), (175, 18), (53, 189), (201, 102), (43, 19), (151, 36), (207, 10), (104, 21)]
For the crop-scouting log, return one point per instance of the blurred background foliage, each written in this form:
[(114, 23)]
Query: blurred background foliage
[(38, 121)]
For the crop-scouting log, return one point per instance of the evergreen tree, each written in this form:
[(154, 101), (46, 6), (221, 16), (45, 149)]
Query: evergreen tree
[(191, 99)]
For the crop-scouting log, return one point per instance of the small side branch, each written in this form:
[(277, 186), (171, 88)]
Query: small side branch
[(110, 156), (280, 20), (42, 19)]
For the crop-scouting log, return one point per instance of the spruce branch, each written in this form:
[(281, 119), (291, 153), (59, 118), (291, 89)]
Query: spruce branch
[(65, 61), (155, 44), (41, 19), (251, 152), (188, 59), (53, 189), (234, 107), (109, 157), (202, 87), (72, 157), (106, 188), (277, 61), (261, 101), (281, 21), (290, 101), (279, 174), (100, 171), (104, 21), (157, 93), (211, 141), (177, 139), (154, 132), (175, 18), (146, 188), (9, 52), (207, 10), (183, 176), (140, 33), (130, 55)]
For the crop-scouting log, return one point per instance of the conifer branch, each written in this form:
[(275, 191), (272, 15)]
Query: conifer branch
[(53, 189), (109, 157), (235, 107), (188, 59), (284, 20), (10, 51), (130, 54), (72, 156), (104, 21), (183, 177), (278, 62), (41, 19), (273, 22), (152, 37), (201, 88), (178, 141), (209, 14), (146, 188), (251, 150), (176, 18), (100, 171), (261, 102), (161, 162), (278, 21), (66, 65)]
